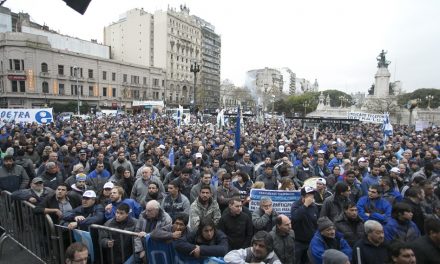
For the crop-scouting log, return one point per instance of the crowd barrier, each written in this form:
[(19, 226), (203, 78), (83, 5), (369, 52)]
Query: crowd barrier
[(47, 242)]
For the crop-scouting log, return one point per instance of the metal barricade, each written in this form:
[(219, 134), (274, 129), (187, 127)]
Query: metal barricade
[(33, 232), (62, 238), (122, 250)]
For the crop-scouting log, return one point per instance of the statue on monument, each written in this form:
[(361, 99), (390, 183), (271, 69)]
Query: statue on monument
[(382, 61)]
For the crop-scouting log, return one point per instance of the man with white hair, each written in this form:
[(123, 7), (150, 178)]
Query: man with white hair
[(140, 187), (371, 248)]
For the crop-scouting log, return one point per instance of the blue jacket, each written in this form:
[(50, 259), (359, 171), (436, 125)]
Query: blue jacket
[(401, 232), (380, 209), (135, 209), (334, 162), (318, 246), (367, 182)]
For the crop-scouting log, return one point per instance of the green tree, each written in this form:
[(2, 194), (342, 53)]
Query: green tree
[(421, 94)]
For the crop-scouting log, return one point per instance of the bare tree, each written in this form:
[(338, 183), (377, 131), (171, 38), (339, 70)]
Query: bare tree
[(382, 105)]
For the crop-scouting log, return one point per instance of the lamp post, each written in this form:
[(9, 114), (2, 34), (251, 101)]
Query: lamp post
[(429, 98), (305, 104), (195, 68), (76, 69)]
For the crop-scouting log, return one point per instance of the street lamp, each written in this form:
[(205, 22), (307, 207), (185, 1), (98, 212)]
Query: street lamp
[(429, 98), (305, 104), (195, 68), (76, 69)]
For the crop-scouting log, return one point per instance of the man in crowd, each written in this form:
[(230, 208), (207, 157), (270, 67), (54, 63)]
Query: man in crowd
[(400, 226), (116, 197), (236, 225), (12, 176), (402, 254), (205, 180), (171, 233), (77, 253), (350, 224), (174, 202), (264, 217), (140, 187), (88, 213), (283, 240), (204, 207), (36, 194), (261, 251), (372, 248), (427, 247), (373, 206), (98, 177), (225, 192)]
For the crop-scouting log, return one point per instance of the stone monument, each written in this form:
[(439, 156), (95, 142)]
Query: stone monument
[(382, 83)]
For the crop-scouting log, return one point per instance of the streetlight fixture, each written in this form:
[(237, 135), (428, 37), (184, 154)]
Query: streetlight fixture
[(195, 68), (76, 69), (305, 104), (429, 98)]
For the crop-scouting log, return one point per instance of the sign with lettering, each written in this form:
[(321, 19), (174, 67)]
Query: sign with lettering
[(39, 115), (366, 117), (281, 200)]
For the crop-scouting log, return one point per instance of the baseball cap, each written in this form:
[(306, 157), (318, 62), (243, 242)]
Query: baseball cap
[(307, 189), (321, 151), (109, 185), (321, 180), (362, 159), (89, 194), (395, 169), (37, 179), (82, 151), (281, 149), (198, 155), (162, 146)]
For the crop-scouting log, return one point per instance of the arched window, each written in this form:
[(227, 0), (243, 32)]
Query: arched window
[(45, 87), (44, 67)]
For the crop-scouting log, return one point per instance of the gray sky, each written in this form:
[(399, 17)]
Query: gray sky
[(334, 41)]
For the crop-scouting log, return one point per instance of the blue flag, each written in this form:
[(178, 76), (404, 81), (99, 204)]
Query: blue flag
[(171, 157), (387, 128), (237, 129)]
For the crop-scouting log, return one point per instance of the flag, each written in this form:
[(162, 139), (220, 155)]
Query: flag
[(237, 129), (171, 157), (387, 128), (220, 118), (179, 116)]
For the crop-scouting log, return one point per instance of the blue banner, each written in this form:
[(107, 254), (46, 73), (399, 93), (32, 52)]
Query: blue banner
[(85, 238)]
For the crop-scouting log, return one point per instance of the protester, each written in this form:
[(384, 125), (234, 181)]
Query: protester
[(371, 248), (284, 240), (88, 213), (77, 253)]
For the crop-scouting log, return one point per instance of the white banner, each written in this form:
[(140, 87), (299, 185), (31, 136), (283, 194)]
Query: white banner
[(281, 200), (39, 115), (366, 117)]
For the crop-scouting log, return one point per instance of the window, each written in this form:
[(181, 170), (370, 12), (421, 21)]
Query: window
[(163, 83), (104, 91), (114, 92), (60, 69), (124, 78), (44, 67), (145, 80), (45, 87), (113, 76), (171, 97), (17, 65), (90, 73), (18, 86), (155, 82), (74, 90), (104, 75), (61, 89), (91, 91)]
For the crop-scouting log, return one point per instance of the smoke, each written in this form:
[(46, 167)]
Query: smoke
[(251, 85)]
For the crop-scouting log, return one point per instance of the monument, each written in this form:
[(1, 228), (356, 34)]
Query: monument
[(382, 83)]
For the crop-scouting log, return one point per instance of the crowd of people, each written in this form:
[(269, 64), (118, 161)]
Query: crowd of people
[(363, 199)]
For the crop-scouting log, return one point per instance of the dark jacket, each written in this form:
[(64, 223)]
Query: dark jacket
[(128, 225), (26, 194), (304, 221), (217, 247), (52, 180), (51, 202), (333, 206), (270, 181), (148, 225), (262, 221), (353, 230), (284, 245), (426, 251), (14, 179), (93, 215), (174, 207), (418, 216), (370, 254), (238, 228), (403, 232)]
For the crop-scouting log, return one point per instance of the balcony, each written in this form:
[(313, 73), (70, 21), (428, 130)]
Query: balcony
[(62, 76), (74, 78), (91, 80), (44, 75), (16, 72)]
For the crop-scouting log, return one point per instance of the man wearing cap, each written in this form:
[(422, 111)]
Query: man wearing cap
[(88, 213), (396, 179), (325, 238), (12, 176), (79, 187), (321, 192), (304, 214), (35, 194)]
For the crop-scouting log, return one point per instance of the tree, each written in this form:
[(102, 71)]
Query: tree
[(421, 94), (382, 105)]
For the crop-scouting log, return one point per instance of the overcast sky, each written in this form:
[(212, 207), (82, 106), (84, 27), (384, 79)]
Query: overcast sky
[(336, 41)]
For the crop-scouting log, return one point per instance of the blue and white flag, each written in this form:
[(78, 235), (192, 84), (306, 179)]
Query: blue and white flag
[(221, 119), (387, 128), (171, 157), (237, 129)]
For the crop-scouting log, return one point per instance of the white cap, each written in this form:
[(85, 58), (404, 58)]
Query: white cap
[(89, 194), (198, 155), (108, 185), (162, 146), (362, 159), (321, 180), (334, 142), (395, 169), (281, 149), (321, 151)]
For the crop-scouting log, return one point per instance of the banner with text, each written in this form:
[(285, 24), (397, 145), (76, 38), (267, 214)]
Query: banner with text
[(39, 115), (366, 117), (281, 200)]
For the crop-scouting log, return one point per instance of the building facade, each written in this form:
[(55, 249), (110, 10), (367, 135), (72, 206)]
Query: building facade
[(172, 40), (34, 74), (232, 96)]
